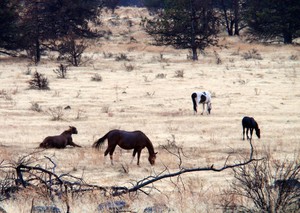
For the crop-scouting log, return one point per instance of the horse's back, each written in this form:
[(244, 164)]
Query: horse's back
[(248, 122), (54, 142), (133, 135)]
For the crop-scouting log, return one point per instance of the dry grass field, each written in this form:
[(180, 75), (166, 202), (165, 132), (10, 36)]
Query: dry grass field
[(151, 92)]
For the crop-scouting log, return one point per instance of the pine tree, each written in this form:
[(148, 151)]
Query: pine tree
[(271, 20), (185, 24)]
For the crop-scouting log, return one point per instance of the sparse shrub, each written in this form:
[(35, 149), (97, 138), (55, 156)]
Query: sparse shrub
[(294, 57), (80, 114), (179, 73), (257, 91), (61, 71), (128, 67), (252, 54), (35, 107), (122, 57), (237, 52), (57, 113), (38, 81), (28, 71), (107, 55), (96, 77), (218, 59), (105, 109), (161, 75)]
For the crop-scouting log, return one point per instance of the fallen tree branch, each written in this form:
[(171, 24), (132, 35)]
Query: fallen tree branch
[(151, 179)]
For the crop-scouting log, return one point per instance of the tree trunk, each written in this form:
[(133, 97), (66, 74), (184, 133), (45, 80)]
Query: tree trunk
[(193, 17), (195, 54), (37, 57), (229, 28), (287, 38), (236, 17)]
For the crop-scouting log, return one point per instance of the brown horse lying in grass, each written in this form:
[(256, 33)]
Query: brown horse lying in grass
[(60, 141)]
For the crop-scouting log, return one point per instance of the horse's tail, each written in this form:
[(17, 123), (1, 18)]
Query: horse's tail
[(100, 141), (194, 96)]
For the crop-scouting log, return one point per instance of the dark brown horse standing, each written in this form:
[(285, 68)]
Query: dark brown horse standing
[(135, 140), (250, 123), (60, 141)]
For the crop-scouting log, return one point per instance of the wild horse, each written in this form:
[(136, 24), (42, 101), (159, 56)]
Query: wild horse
[(250, 123), (60, 141), (135, 140), (201, 98)]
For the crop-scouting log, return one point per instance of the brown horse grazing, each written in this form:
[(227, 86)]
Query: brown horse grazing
[(135, 140), (60, 141)]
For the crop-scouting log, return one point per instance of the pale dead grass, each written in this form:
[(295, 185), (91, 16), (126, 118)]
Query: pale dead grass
[(267, 89)]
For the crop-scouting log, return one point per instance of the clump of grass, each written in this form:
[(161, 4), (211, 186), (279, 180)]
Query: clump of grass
[(179, 74), (161, 75), (293, 57), (218, 59), (122, 57), (28, 71), (252, 54), (108, 55), (96, 77), (35, 107), (61, 71), (129, 67)]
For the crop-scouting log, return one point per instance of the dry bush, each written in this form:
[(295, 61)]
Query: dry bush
[(293, 57), (122, 57), (57, 113), (61, 71), (35, 107), (252, 54), (107, 55), (264, 186), (129, 67), (217, 57), (80, 114), (179, 73)]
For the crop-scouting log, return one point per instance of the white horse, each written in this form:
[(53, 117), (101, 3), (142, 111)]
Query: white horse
[(201, 98)]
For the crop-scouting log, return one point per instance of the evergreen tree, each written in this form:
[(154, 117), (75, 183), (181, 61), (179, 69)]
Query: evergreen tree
[(43, 22), (274, 20), (185, 24), (8, 25)]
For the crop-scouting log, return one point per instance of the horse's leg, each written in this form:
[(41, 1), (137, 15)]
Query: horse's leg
[(71, 143), (247, 130), (243, 133), (138, 157), (203, 107), (110, 150), (133, 155), (251, 132)]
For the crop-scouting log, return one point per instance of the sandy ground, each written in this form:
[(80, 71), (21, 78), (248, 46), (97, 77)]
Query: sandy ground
[(153, 99)]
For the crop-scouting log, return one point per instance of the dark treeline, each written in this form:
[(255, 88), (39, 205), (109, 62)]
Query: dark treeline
[(35, 26)]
